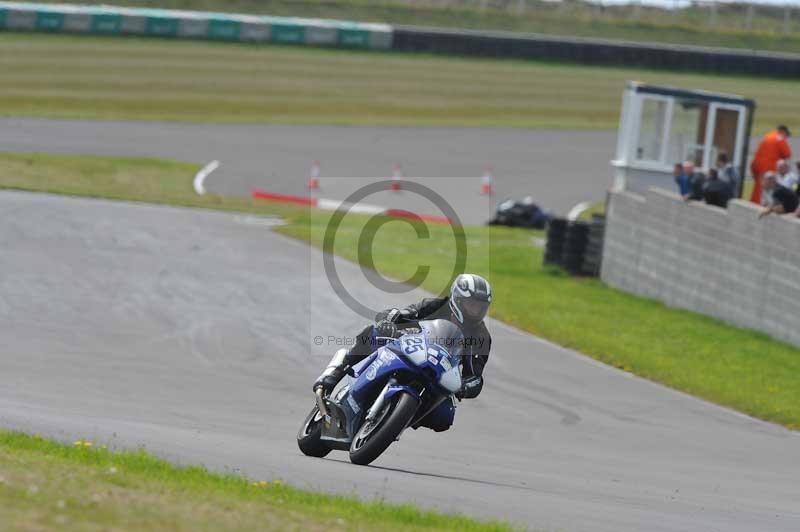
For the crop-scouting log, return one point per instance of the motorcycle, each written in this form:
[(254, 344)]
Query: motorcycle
[(392, 389)]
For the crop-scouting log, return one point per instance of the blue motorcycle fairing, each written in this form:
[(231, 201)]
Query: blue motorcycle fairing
[(384, 364), (394, 388), (412, 353), (418, 356), (359, 367), (361, 391), (428, 359)]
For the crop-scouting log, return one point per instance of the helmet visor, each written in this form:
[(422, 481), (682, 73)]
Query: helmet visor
[(473, 309)]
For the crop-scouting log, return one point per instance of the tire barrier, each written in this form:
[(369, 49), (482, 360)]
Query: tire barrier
[(599, 52), (575, 246), (554, 249), (593, 253), (109, 20)]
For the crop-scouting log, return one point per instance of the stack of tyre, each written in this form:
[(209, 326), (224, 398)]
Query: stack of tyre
[(576, 246), (556, 233), (593, 254)]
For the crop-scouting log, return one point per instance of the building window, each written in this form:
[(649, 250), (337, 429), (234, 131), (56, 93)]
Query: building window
[(651, 129), (687, 131)]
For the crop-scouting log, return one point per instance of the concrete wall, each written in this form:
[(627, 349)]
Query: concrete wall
[(723, 263)]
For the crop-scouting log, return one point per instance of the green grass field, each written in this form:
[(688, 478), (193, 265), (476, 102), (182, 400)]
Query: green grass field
[(648, 24), (54, 76), (739, 368), (46, 485)]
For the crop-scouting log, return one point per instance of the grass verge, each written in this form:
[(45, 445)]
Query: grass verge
[(62, 76), (739, 368), (46, 485), (122, 178)]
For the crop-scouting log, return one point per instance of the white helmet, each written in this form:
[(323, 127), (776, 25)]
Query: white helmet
[(470, 297)]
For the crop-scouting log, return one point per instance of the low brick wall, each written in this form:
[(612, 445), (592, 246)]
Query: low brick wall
[(722, 263)]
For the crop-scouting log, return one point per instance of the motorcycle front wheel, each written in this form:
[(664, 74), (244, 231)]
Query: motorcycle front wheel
[(377, 434), (308, 438)]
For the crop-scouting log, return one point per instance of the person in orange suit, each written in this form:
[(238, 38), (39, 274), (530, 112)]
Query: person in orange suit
[(773, 148)]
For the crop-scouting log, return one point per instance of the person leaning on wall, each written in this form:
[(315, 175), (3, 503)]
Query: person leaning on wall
[(727, 172), (797, 173), (690, 183), (786, 177), (780, 200), (682, 180), (715, 190)]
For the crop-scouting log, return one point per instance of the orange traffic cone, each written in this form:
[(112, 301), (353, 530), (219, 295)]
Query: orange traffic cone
[(397, 178), (313, 176), (487, 182)]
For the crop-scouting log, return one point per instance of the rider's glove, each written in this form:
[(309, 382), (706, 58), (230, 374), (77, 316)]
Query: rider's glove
[(470, 388), (386, 328), (329, 379)]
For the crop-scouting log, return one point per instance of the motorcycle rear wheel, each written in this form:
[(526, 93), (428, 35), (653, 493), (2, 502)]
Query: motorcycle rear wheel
[(375, 436), (308, 437)]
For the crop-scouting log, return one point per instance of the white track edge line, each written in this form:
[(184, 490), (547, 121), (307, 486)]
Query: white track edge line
[(200, 177)]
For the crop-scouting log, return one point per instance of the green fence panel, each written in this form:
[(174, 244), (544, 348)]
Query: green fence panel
[(161, 26), (49, 21), (288, 33), (353, 38), (226, 30), (112, 20), (106, 24)]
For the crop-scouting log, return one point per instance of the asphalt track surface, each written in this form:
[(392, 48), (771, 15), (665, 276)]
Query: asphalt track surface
[(191, 332), (558, 168)]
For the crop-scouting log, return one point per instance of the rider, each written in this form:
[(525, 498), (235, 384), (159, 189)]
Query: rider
[(466, 306)]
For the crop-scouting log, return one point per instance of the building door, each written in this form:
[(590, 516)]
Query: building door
[(724, 131)]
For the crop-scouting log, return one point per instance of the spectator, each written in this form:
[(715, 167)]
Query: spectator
[(716, 191), (681, 180), (766, 193), (786, 177), (690, 183), (727, 172), (781, 199), (797, 172), (698, 182), (773, 147)]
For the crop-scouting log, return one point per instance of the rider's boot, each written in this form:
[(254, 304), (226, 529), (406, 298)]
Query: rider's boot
[(344, 359), (336, 370)]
